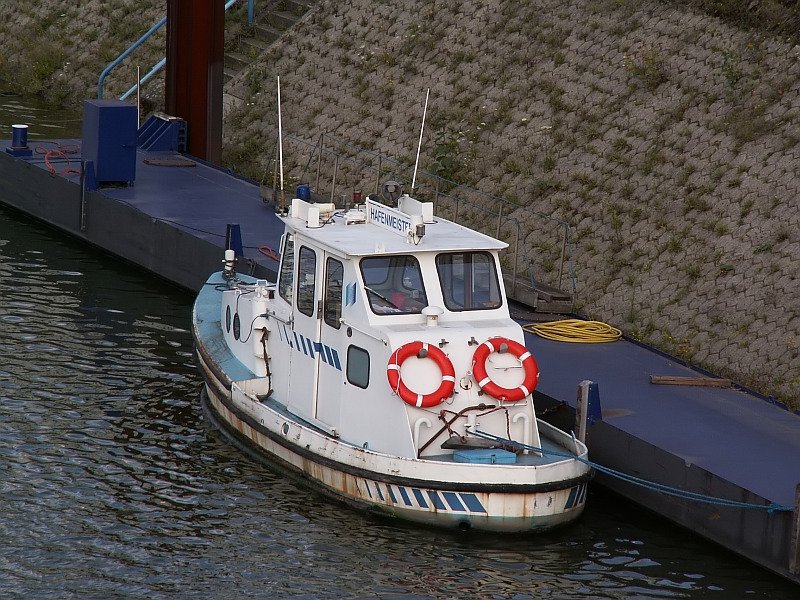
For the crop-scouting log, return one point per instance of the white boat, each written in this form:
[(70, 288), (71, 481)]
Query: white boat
[(379, 363)]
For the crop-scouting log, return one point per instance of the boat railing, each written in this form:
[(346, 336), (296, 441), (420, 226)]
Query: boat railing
[(541, 249), (364, 331), (160, 64)]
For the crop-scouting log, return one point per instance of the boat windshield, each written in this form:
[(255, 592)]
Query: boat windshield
[(468, 280), (393, 284)]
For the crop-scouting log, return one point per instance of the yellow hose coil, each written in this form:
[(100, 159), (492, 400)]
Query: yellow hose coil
[(575, 330)]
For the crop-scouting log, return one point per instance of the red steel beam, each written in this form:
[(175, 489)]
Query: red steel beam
[(195, 71)]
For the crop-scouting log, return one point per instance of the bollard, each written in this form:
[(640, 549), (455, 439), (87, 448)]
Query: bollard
[(19, 136), (587, 408), (233, 239), (19, 141)]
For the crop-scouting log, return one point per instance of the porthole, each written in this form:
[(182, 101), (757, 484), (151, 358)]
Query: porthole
[(228, 319), (237, 326)]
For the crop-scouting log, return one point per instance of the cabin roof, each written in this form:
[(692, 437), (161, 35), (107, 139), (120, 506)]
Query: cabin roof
[(370, 238)]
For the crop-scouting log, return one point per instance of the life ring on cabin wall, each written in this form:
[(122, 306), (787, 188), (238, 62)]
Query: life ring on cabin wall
[(421, 350), (502, 345)]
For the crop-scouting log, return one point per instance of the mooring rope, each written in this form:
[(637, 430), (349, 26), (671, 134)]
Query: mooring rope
[(576, 331), (659, 487)]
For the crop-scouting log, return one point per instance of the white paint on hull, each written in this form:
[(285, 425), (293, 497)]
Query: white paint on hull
[(395, 485)]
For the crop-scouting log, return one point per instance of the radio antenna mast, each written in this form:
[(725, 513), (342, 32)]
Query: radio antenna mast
[(419, 145), (280, 140)]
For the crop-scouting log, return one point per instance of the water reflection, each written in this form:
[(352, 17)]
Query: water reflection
[(44, 122)]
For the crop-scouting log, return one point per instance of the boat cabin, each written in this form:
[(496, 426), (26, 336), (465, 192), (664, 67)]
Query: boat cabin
[(376, 330)]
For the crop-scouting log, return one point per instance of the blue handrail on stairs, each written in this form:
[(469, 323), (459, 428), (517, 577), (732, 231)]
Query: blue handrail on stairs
[(125, 55), (156, 68), (160, 64)]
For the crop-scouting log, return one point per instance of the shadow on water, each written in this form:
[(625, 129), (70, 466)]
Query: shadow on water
[(114, 485)]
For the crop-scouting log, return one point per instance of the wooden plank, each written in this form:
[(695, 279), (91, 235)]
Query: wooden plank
[(699, 381)]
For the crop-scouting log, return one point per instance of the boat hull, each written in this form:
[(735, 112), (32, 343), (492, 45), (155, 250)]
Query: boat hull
[(387, 488)]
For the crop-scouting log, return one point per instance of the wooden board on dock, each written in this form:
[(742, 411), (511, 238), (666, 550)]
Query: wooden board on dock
[(698, 381)]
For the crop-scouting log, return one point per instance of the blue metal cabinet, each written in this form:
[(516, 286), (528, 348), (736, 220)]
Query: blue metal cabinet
[(109, 139)]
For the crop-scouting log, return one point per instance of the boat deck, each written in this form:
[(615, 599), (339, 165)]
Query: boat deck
[(724, 442), (552, 453)]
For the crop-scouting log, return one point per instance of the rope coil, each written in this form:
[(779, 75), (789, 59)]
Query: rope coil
[(575, 331)]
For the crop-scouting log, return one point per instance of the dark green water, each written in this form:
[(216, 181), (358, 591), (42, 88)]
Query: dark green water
[(43, 122), (113, 485)]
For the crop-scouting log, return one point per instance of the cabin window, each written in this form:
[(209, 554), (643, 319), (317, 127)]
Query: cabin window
[(358, 366), (394, 284), (306, 280), (334, 276), (469, 281), (286, 277)]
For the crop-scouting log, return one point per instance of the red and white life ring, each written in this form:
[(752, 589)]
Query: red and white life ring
[(421, 350), (502, 345)]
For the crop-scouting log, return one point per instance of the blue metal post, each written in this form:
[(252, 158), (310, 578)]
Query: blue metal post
[(250, 11), (587, 408), (233, 239), (594, 411)]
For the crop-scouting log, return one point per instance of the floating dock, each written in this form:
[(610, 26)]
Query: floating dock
[(715, 441), (172, 221)]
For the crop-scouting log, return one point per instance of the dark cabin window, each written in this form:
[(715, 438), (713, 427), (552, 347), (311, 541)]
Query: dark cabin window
[(393, 284), (306, 280), (358, 366), (286, 277), (468, 280), (334, 277)]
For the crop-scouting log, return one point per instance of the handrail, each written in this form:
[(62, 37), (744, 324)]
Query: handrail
[(496, 211), (156, 68), (160, 64), (125, 55)]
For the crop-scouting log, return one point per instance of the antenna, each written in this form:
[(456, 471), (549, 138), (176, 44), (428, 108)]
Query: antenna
[(419, 146), (280, 139)]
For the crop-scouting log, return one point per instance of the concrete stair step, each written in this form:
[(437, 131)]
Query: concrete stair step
[(542, 297), (228, 74), (281, 19), (552, 294), (269, 28), (236, 60), (299, 7), (265, 32), (253, 45)]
